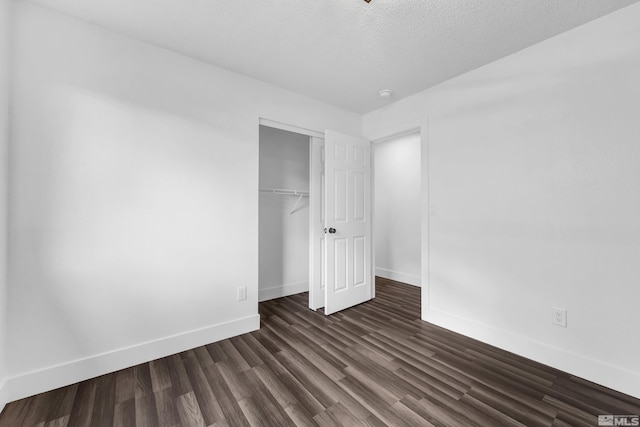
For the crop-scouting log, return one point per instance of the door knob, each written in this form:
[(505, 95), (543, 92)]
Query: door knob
[(332, 230)]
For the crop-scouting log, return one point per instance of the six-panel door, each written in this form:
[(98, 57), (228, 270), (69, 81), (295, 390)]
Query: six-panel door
[(348, 271)]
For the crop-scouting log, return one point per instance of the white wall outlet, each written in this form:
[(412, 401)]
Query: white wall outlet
[(242, 293), (432, 210), (559, 316)]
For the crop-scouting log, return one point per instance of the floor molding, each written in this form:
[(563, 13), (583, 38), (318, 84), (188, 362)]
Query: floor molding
[(410, 279), (64, 374), (4, 399), (282, 291), (376, 364), (597, 371)]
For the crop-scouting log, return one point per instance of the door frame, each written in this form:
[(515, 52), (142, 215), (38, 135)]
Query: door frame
[(316, 223), (316, 138), (291, 128), (374, 143), (384, 134)]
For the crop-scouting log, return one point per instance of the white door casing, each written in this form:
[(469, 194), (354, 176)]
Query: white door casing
[(316, 222), (348, 268)]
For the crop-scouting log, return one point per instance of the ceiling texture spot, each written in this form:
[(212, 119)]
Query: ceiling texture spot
[(341, 51)]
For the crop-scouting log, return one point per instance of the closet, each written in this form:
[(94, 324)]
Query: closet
[(283, 213), (315, 220)]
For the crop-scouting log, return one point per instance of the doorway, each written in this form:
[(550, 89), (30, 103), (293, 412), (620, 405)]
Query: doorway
[(283, 239), (397, 208)]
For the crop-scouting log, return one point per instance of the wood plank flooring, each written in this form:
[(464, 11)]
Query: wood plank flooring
[(376, 364)]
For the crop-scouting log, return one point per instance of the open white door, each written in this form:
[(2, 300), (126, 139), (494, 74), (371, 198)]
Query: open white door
[(348, 269)]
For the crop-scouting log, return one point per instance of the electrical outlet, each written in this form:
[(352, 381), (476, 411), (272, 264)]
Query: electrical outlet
[(559, 316), (242, 293)]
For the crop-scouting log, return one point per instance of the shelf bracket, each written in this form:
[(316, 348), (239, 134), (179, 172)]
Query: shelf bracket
[(295, 205)]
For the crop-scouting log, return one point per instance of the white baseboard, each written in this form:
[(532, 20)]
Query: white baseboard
[(4, 398), (410, 279), (53, 377), (282, 291), (593, 370)]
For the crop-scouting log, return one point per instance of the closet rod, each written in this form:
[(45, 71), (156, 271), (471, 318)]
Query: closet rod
[(285, 192)]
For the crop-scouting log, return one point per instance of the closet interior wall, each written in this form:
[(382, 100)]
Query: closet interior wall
[(284, 218)]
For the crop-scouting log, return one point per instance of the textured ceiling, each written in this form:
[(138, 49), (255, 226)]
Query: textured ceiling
[(342, 51)]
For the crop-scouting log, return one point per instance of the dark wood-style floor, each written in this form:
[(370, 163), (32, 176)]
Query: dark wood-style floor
[(375, 364)]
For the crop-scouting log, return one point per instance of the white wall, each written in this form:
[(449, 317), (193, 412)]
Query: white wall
[(134, 199), (283, 237), (397, 208), (4, 143), (533, 172)]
